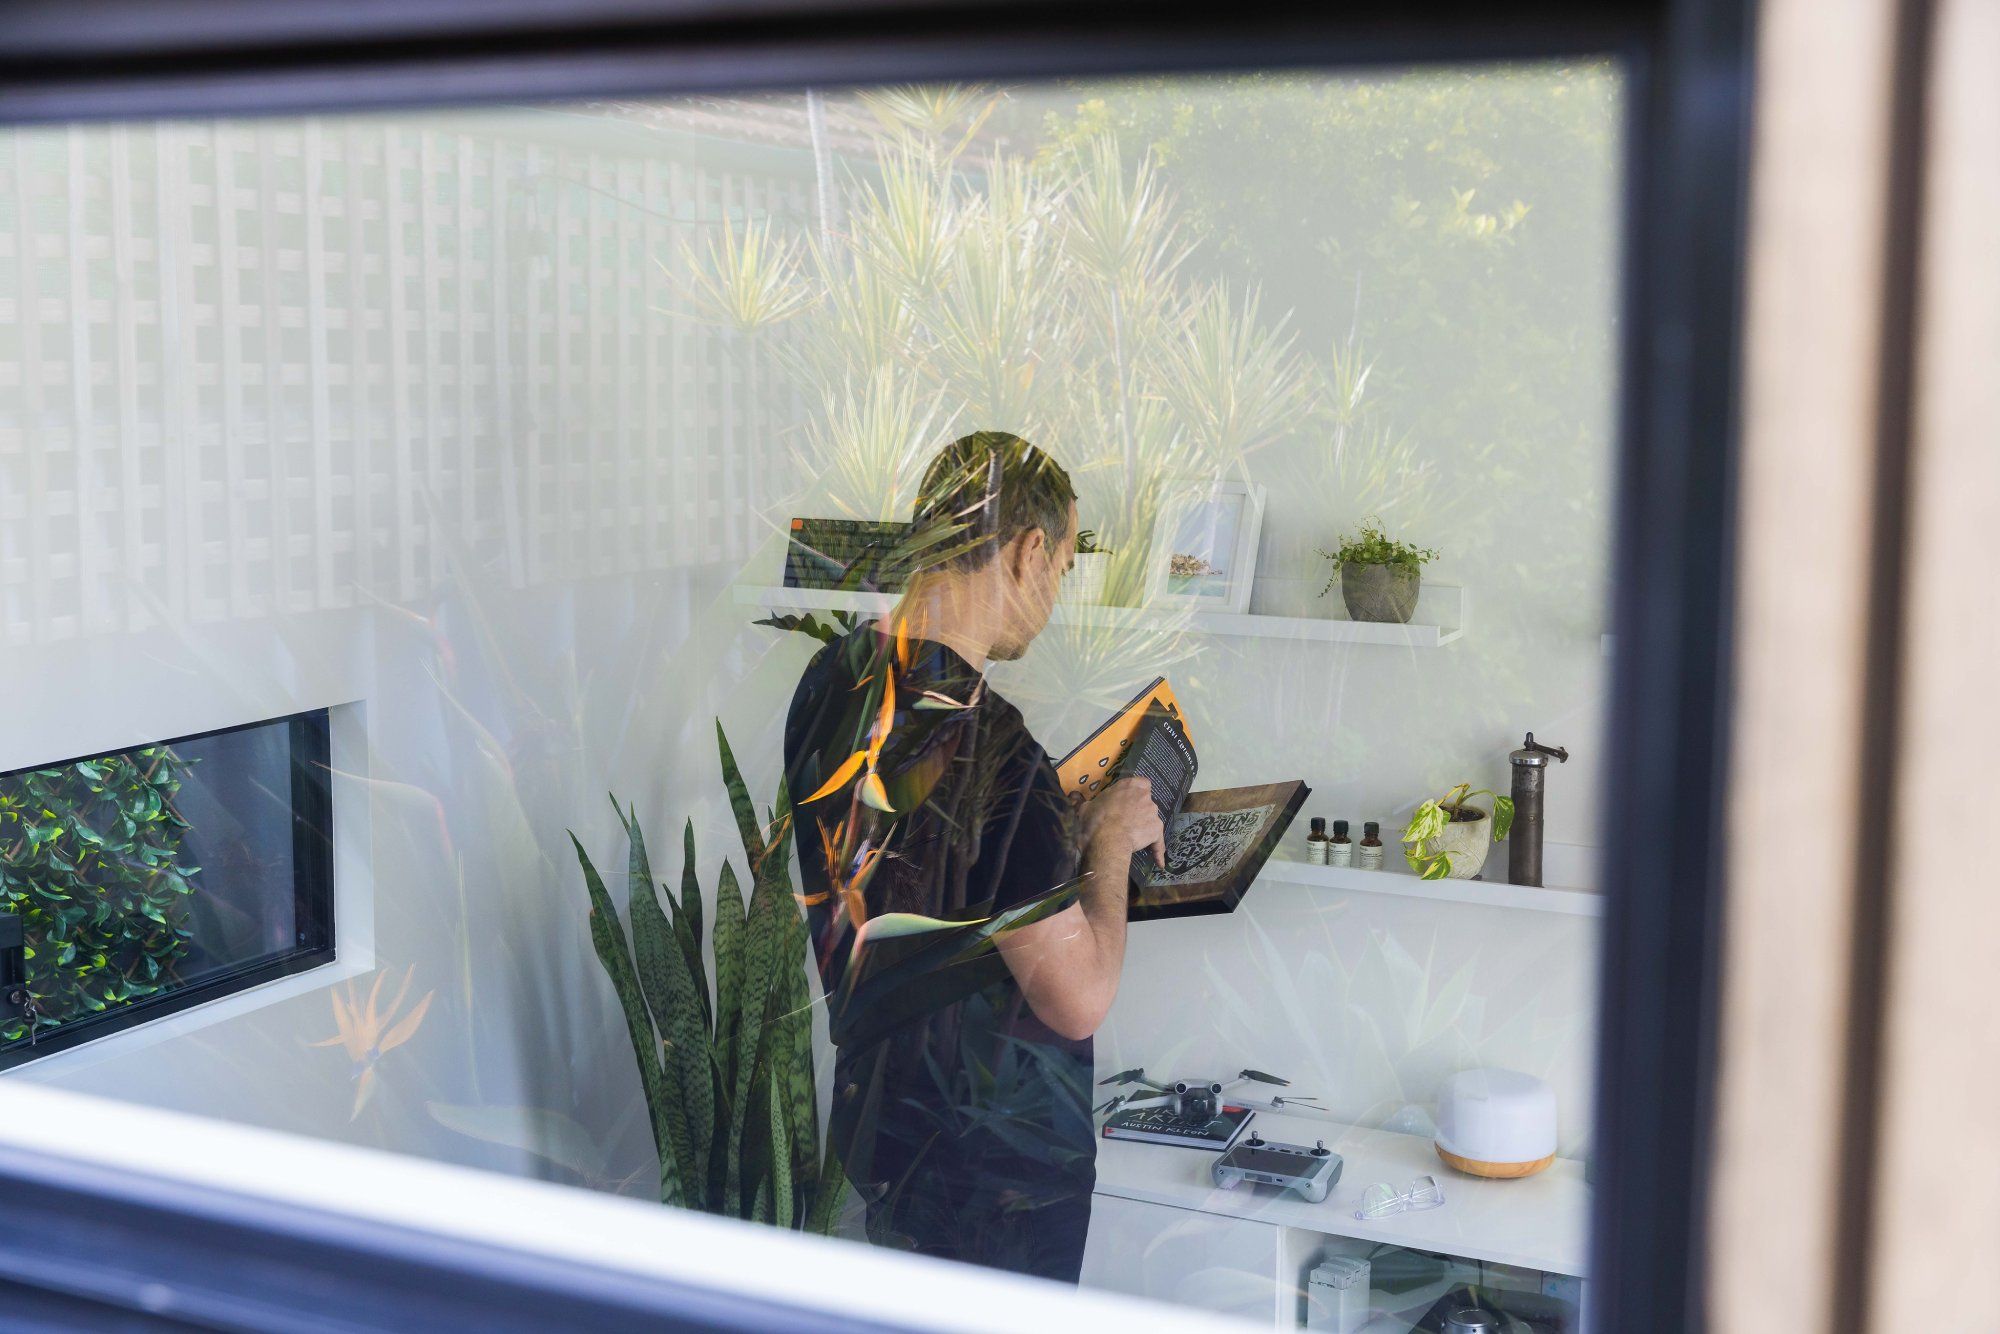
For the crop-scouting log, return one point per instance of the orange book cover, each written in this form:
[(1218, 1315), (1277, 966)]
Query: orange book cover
[(1082, 771)]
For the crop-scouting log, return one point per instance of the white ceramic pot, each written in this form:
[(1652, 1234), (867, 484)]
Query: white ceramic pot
[(1468, 842), (1084, 585)]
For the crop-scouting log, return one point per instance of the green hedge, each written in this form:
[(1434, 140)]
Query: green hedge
[(90, 857)]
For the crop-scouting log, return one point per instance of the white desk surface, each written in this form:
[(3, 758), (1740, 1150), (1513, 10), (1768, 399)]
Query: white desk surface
[(1540, 1222)]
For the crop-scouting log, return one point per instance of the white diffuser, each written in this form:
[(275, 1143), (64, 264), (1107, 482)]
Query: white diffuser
[(1496, 1123)]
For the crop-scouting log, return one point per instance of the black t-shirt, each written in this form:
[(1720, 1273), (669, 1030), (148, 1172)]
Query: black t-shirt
[(936, 801)]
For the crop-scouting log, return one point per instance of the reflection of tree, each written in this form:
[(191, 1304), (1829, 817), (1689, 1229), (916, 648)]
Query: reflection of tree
[(1050, 295), (1445, 234)]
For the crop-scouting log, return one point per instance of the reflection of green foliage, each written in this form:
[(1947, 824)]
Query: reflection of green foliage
[(728, 1078), (1435, 217), (90, 857), (1043, 297)]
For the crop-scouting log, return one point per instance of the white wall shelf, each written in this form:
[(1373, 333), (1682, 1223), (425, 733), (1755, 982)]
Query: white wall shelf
[(1445, 600), (1302, 881)]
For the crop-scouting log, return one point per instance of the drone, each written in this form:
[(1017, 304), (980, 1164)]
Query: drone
[(1201, 1099)]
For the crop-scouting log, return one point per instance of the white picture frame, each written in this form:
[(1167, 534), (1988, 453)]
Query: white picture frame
[(1214, 522)]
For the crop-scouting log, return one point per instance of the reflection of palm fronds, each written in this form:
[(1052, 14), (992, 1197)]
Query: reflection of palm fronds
[(932, 110), (906, 222), (1235, 382), (1365, 466), (1119, 224), (863, 324), (746, 280), (1082, 669), (997, 316), (869, 444)]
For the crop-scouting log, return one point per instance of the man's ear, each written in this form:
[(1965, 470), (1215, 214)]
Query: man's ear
[(1023, 551)]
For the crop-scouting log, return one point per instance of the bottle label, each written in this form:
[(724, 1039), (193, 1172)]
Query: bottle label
[(1340, 854)]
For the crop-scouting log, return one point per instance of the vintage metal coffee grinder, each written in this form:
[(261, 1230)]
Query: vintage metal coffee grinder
[(1524, 843)]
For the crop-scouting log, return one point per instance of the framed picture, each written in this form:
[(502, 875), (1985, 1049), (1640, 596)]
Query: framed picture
[(1204, 551)]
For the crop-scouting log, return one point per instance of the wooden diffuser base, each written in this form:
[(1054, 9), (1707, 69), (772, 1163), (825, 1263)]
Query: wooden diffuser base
[(1502, 1171)]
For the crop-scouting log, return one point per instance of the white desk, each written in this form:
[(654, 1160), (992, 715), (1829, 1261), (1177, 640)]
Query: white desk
[(1162, 1229)]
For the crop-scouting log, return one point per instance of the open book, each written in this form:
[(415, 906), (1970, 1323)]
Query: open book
[(1217, 841)]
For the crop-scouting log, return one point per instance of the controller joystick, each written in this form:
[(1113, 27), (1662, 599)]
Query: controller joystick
[(1319, 1148)]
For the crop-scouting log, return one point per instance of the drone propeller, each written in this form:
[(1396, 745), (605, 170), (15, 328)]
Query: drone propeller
[(1131, 1076), (1111, 1104), (1263, 1078)]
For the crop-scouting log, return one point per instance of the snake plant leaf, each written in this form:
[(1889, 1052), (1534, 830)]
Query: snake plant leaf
[(739, 801), (801, 1100), (895, 980), (828, 1194), (670, 993), (781, 1154), (731, 928), (687, 923), (746, 1118), (608, 939)]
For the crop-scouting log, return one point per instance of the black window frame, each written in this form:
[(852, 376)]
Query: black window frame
[(1689, 76), (309, 749)]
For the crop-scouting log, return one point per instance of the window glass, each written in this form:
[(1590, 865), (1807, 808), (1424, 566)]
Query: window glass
[(140, 876), (753, 537)]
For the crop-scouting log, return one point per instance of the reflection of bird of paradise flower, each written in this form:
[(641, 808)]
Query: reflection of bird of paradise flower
[(852, 844), (366, 1032)]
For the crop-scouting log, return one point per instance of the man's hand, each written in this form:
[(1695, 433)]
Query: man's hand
[(1122, 820)]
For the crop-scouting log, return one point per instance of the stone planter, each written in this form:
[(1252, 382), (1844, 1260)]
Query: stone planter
[(1084, 585), (1468, 842), (1379, 592)]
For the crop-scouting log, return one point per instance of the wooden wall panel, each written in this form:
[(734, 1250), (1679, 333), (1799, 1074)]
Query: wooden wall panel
[(1937, 1164), (1821, 117)]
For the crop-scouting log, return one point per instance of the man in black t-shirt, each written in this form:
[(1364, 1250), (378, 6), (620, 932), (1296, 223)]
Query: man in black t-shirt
[(965, 1121)]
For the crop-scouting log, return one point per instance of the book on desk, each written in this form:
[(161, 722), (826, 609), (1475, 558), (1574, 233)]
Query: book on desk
[(1217, 841), (1161, 1125)]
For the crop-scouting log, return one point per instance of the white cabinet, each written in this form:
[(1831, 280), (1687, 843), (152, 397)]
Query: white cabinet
[(1187, 1259), (1161, 1229)]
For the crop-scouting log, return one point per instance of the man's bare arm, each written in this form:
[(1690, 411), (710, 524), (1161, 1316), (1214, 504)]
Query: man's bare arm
[(1068, 965)]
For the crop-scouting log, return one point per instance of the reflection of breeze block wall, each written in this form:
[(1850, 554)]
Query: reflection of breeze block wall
[(285, 366)]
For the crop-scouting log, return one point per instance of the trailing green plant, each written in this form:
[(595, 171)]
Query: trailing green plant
[(1373, 546), (1428, 823), (90, 858), (727, 1071), (1088, 545)]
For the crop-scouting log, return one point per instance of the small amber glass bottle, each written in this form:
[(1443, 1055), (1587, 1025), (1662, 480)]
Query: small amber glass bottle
[(1340, 848), (1369, 855), (1316, 842)]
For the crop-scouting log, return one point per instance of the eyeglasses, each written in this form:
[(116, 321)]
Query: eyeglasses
[(1382, 1199)]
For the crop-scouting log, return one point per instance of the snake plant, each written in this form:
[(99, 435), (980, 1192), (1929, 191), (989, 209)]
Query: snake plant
[(727, 1069)]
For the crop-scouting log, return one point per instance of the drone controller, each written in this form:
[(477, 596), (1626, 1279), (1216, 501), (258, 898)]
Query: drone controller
[(1309, 1172)]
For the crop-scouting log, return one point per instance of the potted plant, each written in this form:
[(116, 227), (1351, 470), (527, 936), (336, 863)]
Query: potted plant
[(1085, 582), (1447, 836), (1379, 576)]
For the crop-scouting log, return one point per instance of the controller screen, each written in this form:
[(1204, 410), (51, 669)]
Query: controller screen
[(1263, 1160)]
